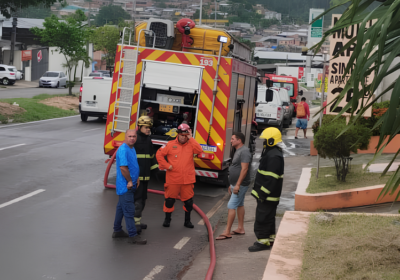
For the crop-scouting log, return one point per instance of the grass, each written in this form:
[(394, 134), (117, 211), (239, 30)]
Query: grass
[(352, 247), (36, 111), (356, 178), (316, 102)]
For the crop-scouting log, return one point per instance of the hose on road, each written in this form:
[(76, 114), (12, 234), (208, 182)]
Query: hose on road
[(213, 258)]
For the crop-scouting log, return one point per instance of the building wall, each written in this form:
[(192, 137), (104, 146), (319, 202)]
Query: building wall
[(17, 58)]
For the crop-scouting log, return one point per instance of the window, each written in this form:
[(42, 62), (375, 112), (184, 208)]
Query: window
[(94, 75), (289, 87), (50, 74), (2, 69), (12, 69)]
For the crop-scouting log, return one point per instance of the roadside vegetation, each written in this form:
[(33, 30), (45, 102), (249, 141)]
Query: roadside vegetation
[(34, 109), (352, 247), (356, 178)]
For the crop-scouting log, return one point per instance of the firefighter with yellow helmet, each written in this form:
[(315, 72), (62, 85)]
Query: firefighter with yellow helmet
[(147, 163), (268, 188)]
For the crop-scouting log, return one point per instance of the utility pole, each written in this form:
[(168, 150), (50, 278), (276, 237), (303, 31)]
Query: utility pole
[(215, 13), (13, 39)]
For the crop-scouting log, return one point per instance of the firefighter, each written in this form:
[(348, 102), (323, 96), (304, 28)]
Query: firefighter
[(147, 163), (268, 188), (180, 172)]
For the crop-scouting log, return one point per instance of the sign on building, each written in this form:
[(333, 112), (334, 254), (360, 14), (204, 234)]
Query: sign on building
[(26, 55), (39, 56), (337, 66), (301, 72)]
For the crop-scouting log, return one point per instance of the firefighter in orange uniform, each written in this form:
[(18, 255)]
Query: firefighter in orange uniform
[(181, 176)]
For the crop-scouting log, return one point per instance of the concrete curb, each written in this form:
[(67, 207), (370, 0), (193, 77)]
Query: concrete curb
[(336, 199)]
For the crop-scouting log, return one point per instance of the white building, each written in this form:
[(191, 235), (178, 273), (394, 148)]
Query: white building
[(273, 15)]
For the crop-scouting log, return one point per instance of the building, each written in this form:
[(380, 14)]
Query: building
[(273, 15), (242, 26)]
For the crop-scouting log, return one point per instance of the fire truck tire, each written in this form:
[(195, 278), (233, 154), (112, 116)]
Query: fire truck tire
[(84, 117)]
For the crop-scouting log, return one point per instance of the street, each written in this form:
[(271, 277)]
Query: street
[(16, 91)]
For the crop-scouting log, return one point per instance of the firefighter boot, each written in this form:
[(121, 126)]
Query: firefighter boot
[(167, 220), (188, 223), (260, 245)]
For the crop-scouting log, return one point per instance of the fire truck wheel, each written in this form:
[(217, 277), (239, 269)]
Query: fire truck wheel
[(84, 117)]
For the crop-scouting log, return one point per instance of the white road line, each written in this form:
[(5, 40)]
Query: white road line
[(93, 129), (181, 243), (21, 198), (12, 147), (11, 125), (257, 156), (155, 271), (212, 211)]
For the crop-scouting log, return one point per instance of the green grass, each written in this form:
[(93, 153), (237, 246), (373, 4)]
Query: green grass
[(356, 178), (36, 111), (316, 102), (352, 247)]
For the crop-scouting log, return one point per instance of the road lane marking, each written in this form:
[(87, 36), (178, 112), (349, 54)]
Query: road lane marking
[(12, 147), (11, 125), (92, 129), (181, 243), (21, 198), (213, 210), (155, 271), (257, 156)]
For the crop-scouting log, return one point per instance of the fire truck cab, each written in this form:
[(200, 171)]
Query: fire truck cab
[(204, 86)]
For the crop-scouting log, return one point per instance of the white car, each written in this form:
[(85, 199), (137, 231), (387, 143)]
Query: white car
[(53, 79), (18, 74), (7, 75)]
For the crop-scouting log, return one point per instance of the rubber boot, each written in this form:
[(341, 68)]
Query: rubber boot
[(188, 223), (167, 220), (143, 226)]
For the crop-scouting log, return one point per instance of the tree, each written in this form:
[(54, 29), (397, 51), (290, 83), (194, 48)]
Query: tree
[(376, 48), (14, 5), (331, 143), (105, 39), (68, 36), (111, 15), (79, 16), (39, 11)]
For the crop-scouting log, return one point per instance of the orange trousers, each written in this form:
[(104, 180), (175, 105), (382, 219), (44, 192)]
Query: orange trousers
[(173, 191)]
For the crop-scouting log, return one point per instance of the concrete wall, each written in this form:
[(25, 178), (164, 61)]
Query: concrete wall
[(17, 58)]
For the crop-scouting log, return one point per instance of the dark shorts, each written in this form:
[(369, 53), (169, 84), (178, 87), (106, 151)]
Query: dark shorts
[(301, 123)]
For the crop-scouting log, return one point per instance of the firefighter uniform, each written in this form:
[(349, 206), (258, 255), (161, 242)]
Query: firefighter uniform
[(267, 189), (181, 179)]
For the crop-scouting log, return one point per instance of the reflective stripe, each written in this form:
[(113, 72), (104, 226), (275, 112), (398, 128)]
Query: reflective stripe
[(144, 156), (154, 166), (264, 241), (273, 198), (268, 173), (253, 192), (265, 190), (145, 178)]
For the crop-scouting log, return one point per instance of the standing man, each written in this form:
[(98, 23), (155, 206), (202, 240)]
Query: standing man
[(267, 189), (303, 116), (181, 174), (239, 179), (127, 182), (147, 162)]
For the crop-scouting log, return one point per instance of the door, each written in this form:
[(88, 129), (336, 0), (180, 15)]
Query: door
[(40, 63)]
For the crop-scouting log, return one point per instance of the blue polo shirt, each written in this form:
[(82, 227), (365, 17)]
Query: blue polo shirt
[(126, 157)]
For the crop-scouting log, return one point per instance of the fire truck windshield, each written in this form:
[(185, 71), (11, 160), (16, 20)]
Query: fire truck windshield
[(288, 86)]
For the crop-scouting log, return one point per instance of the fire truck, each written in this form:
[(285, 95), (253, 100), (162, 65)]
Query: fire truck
[(184, 74)]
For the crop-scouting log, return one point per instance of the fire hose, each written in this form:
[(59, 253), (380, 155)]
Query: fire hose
[(211, 267)]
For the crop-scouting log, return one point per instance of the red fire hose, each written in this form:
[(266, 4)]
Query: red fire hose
[(211, 267)]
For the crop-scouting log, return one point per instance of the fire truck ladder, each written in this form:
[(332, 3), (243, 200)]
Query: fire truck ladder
[(125, 88)]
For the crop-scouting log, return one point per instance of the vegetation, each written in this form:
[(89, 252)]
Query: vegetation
[(331, 142), (352, 247), (377, 47), (40, 11), (356, 178), (9, 7), (69, 37), (36, 111), (111, 15)]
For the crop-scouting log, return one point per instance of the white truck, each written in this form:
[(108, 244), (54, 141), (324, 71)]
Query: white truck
[(269, 113), (94, 97)]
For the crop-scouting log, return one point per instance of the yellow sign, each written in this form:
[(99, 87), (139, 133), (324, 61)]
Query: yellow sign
[(166, 108)]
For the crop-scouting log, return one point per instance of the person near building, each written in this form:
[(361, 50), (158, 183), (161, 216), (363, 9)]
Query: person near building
[(147, 163), (127, 182), (303, 116), (239, 179), (180, 172), (268, 188)]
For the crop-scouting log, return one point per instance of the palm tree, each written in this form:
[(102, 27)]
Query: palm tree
[(377, 47)]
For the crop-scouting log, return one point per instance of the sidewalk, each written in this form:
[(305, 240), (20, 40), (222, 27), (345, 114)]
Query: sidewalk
[(21, 84)]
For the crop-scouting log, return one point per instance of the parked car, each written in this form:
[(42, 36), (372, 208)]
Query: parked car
[(18, 74), (288, 107), (7, 75), (53, 79), (268, 113), (99, 74)]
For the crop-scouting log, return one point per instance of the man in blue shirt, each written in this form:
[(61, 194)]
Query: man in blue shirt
[(127, 182)]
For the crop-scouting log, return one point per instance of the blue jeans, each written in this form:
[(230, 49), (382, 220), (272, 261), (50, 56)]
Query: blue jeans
[(126, 208), (301, 123), (237, 200)]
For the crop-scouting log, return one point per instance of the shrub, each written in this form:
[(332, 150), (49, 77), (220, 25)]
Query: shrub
[(330, 145)]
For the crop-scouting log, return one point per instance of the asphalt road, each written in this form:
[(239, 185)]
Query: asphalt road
[(64, 232), (11, 92)]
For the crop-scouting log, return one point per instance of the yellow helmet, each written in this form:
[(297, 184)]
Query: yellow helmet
[(272, 135), (145, 120)]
